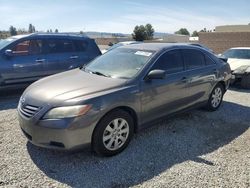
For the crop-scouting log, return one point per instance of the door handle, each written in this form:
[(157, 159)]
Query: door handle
[(40, 60), (74, 57)]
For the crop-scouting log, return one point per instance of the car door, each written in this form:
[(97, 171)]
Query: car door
[(25, 64), (160, 97), (61, 55), (201, 73), (81, 55)]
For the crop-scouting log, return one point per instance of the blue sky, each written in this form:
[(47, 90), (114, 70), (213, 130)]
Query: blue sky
[(122, 15)]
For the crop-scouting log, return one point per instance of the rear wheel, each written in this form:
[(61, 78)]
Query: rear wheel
[(216, 97), (113, 133)]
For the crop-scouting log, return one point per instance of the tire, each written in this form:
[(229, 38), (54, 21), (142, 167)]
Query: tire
[(216, 98), (113, 133), (245, 81)]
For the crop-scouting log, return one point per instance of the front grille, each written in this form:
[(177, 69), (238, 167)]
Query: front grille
[(28, 110)]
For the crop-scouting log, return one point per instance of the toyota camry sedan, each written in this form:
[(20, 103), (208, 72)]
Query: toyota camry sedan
[(119, 93)]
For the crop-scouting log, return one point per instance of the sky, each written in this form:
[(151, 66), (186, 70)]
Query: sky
[(121, 16)]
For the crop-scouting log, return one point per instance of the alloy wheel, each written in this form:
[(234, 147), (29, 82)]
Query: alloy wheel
[(115, 134)]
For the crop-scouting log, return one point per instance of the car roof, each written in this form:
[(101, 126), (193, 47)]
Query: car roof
[(157, 46), (241, 48), (50, 35)]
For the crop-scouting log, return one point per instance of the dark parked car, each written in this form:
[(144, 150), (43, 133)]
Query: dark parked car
[(119, 93), (27, 58)]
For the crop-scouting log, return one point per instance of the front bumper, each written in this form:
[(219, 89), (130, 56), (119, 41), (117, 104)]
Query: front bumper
[(64, 134)]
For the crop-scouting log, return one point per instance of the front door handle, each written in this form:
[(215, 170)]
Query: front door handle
[(74, 57), (40, 60)]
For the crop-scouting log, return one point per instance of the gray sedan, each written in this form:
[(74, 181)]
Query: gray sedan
[(120, 93)]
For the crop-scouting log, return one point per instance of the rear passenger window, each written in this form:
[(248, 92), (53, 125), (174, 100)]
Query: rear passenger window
[(193, 58), (80, 45), (171, 62), (59, 46)]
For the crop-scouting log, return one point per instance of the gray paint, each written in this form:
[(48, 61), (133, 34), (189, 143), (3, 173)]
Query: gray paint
[(149, 99)]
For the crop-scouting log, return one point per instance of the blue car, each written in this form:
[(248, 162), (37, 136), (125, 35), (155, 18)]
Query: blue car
[(27, 58)]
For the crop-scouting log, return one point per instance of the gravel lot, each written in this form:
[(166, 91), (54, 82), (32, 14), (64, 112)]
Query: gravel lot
[(195, 149)]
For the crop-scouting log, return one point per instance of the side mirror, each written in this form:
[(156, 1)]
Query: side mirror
[(156, 74), (8, 53)]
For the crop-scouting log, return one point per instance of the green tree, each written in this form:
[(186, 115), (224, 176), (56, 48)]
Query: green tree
[(81, 32), (56, 31), (149, 31), (139, 33), (142, 32), (182, 31), (12, 31), (195, 34), (31, 29)]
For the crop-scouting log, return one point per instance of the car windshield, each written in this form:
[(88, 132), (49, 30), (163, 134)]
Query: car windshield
[(122, 63), (237, 53), (5, 42)]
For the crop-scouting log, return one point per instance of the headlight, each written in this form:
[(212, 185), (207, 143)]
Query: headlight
[(67, 112)]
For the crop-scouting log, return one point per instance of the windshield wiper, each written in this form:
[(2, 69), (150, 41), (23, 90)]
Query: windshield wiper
[(99, 73)]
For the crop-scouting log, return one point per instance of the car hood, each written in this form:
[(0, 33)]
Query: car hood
[(69, 85), (236, 63)]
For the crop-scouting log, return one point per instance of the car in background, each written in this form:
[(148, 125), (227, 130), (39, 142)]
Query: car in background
[(120, 93), (27, 58), (120, 44), (239, 60)]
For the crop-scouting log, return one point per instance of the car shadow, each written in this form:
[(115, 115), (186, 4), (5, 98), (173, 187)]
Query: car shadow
[(9, 99), (184, 137)]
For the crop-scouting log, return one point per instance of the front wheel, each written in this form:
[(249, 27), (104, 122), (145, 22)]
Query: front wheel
[(113, 133), (216, 97)]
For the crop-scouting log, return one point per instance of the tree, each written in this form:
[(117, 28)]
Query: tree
[(182, 31), (12, 31), (31, 29), (81, 32), (143, 32), (149, 31), (56, 31), (195, 34), (139, 33)]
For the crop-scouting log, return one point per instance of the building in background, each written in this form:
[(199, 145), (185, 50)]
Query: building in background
[(225, 37)]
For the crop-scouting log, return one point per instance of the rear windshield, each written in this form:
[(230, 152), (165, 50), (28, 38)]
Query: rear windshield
[(237, 53)]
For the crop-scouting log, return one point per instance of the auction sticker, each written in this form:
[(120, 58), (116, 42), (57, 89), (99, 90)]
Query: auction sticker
[(143, 53)]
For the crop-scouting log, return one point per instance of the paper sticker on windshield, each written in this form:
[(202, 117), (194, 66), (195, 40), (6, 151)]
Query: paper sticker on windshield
[(143, 53)]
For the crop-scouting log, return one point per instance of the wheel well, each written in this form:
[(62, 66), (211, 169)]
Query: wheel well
[(223, 84), (128, 110)]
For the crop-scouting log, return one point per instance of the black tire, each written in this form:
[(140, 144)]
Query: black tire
[(210, 104), (98, 143), (245, 81)]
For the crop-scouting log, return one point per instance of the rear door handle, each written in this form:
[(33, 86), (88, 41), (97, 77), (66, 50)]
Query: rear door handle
[(40, 60), (74, 57)]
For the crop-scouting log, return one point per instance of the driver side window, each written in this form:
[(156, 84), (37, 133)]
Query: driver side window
[(28, 47), (171, 62)]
